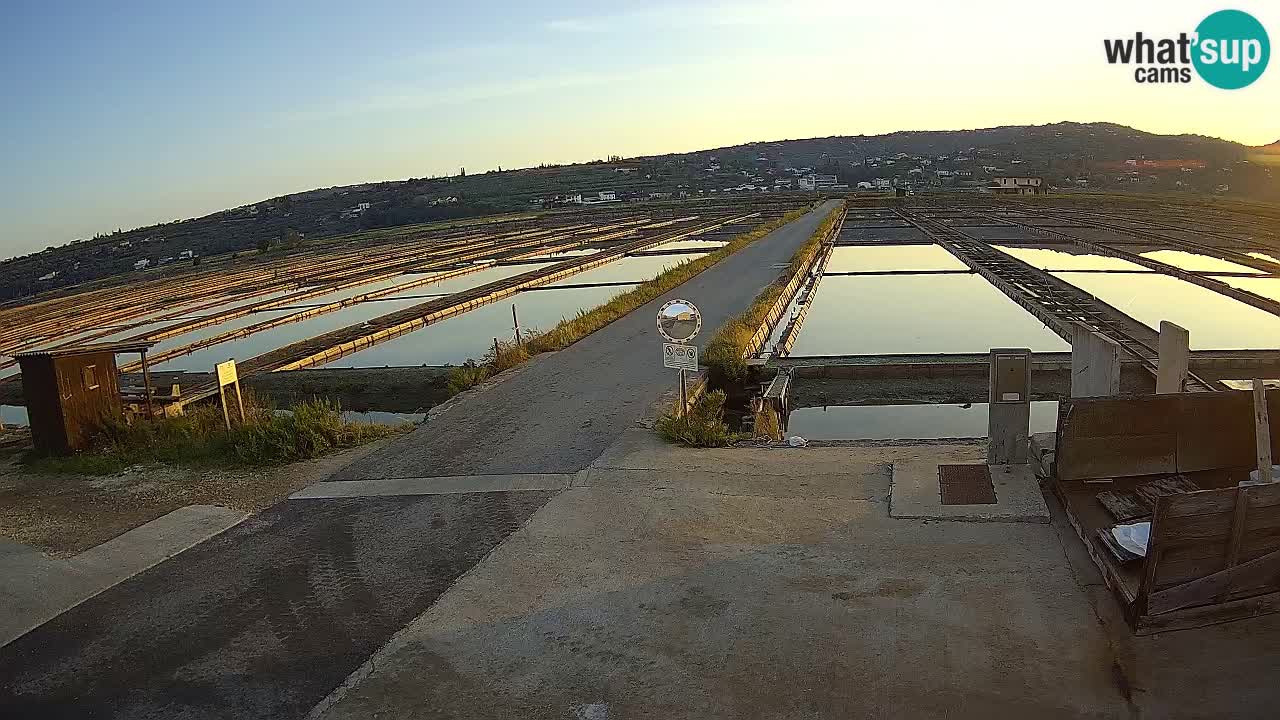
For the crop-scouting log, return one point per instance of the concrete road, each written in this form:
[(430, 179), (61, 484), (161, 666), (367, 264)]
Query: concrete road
[(267, 618), (765, 584), (561, 411), (261, 621)]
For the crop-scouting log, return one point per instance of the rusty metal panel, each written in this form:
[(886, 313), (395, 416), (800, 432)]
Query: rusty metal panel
[(966, 485)]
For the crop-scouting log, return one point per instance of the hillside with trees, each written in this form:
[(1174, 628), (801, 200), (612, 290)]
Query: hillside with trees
[(1094, 156)]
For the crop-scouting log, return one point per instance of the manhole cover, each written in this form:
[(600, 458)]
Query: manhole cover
[(966, 485)]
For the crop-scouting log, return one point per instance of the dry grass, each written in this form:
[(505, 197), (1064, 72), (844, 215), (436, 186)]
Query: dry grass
[(703, 426), (200, 439), (725, 355)]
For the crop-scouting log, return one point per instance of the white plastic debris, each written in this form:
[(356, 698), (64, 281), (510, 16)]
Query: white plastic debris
[(1133, 537), (797, 441), (1255, 476)]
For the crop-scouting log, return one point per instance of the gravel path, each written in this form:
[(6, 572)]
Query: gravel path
[(560, 412)]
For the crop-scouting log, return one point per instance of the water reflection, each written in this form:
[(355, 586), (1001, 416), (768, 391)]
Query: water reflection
[(917, 314), (243, 348), (1266, 287), (629, 269), (207, 332), (562, 255), (1196, 262), (1268, 258), (691, 243), (1216, 322), (13, 415), (868, 258), (906, 422), (379, 417), (1047, 259), (470, 335)]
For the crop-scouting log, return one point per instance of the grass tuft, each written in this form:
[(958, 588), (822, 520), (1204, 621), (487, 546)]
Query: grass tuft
[(200, 439), (703, 426), (504, 357)]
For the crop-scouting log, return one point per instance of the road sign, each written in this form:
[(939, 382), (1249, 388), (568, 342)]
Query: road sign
[(226, 372), (228, 377), (678, 356), (679, 321)]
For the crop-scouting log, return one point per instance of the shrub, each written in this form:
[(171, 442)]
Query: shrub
[(200, 438), (702, 426), (504, 357)]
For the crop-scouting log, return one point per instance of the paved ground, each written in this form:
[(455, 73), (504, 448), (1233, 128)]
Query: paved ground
[(558, 413), (749, 583), (267, 618), (263, 620), (650, 582)]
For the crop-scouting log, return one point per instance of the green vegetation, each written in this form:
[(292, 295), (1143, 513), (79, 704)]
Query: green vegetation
[(703, 426), (504, 356), (725, 355), (571, 330), (200, 439)]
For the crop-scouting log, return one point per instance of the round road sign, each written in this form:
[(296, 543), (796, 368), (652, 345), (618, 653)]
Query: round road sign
[(679, 321)]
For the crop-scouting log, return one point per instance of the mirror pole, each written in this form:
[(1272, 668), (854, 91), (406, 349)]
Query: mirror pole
[(684, 398)]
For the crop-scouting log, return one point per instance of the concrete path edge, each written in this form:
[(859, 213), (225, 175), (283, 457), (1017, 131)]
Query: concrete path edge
[(39, 588)]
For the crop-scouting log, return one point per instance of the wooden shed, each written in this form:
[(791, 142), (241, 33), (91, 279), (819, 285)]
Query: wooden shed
[(71, 390)]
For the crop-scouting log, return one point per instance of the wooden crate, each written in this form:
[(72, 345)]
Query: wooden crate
[(1214, 554)]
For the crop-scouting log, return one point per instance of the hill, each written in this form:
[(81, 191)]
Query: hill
[(1068, 155)]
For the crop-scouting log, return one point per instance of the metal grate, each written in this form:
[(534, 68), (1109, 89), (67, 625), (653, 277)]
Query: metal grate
[(966, 485)]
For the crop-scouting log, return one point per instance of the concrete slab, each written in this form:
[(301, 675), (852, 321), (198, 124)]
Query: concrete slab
[(263, 620), (915, 493), (632, 601), (435, 485), (638, 599), (32, 583), (38, 588)]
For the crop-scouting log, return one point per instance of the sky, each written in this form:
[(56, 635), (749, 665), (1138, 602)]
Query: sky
[(123, 114)]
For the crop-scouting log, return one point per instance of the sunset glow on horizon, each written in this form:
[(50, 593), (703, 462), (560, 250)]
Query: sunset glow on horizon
[(127, 117)]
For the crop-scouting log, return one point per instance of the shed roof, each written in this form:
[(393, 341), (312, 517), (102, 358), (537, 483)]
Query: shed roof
[(126, 346)]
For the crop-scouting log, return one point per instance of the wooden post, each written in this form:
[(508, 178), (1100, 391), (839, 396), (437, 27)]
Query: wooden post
[(239, 401), (684, 397), (1262, 431), (495, 350), (146, 383), (1095, 364), (222, 400), (1174, 359), (227, 376), (516, 320)]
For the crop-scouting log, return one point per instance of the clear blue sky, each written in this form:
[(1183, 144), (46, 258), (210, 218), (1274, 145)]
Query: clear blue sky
[(123, 114)]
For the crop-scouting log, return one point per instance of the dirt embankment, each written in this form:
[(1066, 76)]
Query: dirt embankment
[(388, 389), (67, 514)]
